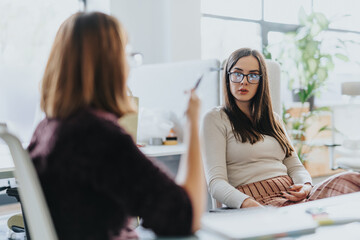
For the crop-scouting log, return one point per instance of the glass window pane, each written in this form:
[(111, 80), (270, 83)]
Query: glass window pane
[(274, 43), (285, 11), (275, 47), (343, 71), (250, 9), (336, 10), (220, 38)]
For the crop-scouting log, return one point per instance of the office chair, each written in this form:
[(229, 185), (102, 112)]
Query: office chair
[(33, 202), (275, 92)]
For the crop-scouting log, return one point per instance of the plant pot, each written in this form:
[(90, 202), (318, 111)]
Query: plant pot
[(296, 97)]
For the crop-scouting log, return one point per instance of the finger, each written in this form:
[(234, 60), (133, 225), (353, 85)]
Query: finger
[(291, 197), (189, 91), (295, 187), (300, 194)]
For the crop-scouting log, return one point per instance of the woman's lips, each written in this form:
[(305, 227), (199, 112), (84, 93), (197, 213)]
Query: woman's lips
[(243, 91)]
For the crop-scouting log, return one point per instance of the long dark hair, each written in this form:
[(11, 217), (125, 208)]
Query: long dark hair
[(263, 121)]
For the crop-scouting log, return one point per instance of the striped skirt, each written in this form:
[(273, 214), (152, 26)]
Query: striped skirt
[(269, 191)]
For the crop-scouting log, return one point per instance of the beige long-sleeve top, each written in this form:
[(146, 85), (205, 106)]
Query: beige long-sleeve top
[(229, 163)]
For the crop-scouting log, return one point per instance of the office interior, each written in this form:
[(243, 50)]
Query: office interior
[(175, 34)]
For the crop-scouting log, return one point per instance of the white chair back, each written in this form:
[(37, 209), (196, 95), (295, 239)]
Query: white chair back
[(32, 199), (275, 85)]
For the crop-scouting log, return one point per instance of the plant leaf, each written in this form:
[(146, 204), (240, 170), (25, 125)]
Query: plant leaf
[(324, 128), (322, 74), (342, 57), (302, 16), (322, 20)]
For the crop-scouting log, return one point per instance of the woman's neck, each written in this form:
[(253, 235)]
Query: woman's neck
[(245, 108)]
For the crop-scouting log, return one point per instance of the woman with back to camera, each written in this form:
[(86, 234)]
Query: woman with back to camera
[(249, 159), (93, 175)]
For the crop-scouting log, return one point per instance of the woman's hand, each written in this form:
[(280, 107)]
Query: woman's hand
[(249, 202), (193, 109), (191, 173), (297, 192)]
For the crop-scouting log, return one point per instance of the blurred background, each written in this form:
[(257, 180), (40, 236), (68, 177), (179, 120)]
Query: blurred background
[(316, 43)]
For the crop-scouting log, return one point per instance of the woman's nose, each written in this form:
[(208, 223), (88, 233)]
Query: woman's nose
[(244, 81)]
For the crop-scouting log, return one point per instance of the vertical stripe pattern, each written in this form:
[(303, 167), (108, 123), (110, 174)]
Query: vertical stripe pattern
[(268, 192)]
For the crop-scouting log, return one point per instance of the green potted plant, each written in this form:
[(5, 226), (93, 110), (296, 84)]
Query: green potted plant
[(305, 66), (298, 126), (305, 63)]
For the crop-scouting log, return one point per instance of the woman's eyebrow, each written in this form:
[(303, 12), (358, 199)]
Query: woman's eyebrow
[(252, 71)]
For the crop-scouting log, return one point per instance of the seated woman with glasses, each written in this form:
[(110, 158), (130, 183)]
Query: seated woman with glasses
[(93, 175), (249, 159)]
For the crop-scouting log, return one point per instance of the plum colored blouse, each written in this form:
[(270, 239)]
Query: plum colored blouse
[(94, 176)]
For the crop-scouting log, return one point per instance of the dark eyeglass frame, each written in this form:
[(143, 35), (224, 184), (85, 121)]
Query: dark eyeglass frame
[(247, 77)]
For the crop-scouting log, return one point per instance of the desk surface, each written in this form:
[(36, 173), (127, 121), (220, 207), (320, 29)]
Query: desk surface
[(7, 165), (345, 207)]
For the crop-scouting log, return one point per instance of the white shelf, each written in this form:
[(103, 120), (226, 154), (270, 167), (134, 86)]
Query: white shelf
[(163, 150)]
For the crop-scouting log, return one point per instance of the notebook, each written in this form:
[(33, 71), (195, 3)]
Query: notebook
[(258, 223)]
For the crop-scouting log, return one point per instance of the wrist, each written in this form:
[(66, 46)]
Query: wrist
[(308, 188), (308, 183)]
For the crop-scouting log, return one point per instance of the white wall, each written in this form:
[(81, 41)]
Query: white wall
[(27, 30), (163, 30)]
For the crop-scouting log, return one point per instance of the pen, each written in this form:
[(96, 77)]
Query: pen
[(198, 82)]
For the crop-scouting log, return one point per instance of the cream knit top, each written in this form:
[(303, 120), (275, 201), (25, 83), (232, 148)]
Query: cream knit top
[(229, 163)]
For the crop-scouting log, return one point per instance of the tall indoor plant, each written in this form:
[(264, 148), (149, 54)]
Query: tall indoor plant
[(305, 66)]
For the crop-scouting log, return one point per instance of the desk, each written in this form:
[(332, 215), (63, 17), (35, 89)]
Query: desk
[(347, 205), (7, 165)]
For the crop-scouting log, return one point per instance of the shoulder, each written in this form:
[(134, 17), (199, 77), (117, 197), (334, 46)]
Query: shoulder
[(277, 117), (215, 114), (88, 125), (216, 118)]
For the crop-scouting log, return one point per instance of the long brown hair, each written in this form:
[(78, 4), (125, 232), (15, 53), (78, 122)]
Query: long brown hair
[(87, 67), (263, 121)]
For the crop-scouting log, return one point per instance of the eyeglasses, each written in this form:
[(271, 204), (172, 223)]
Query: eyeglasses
[(134, 58), (237, 77)]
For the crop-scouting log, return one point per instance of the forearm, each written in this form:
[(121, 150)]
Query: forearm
[(222, 191), (296, 170), (191, 174)]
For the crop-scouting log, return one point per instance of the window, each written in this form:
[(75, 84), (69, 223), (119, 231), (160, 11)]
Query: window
[(284, 11), (225, 36), (233, 8), (228, 25)]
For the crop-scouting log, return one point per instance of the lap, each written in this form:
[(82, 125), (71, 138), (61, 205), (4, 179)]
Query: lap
[(268, 192), (342, 183)]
